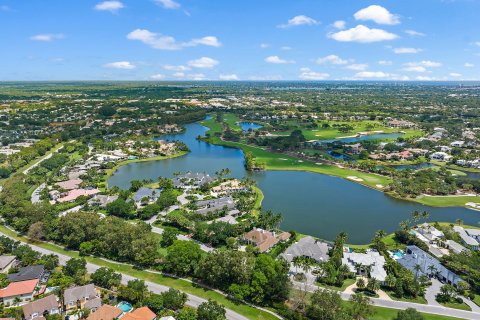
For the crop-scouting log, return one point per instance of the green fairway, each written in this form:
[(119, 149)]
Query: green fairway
[(232, 120)]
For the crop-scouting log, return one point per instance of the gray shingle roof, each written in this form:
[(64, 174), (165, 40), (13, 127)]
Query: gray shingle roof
[(27, 273)]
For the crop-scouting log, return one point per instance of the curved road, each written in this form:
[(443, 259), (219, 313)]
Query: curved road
[(193, 301)]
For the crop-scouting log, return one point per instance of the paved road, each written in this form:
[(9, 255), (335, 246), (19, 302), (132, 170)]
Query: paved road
[(394, 304), (36, 193), (36, 164), (193, 301)]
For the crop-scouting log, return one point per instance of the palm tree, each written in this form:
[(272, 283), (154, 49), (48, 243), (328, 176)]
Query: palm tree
[(417, 268), (297, 261), (425, 215), (459, 222), (432, 270), (360, 283), (373, 285), (415, 216)]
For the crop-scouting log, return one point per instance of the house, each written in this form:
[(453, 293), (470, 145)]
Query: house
[(214, 205), (455, 246), (101, 200), (264, 240), (370, 263), (18, 292), (29, 273), (143, 313), (354, 148), (445, 149), (151, 195), (457, 144), (307, 247), (6, 262), (440, 156), (93, 304), (41, 308), (400, 124), (192, 180), (69, 184), (228, 187), (467, 239), (415, 257), (75, 193), (106, 312), (76, 297)]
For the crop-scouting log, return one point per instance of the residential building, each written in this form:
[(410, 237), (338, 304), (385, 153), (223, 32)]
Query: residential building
[(76, 297), (415, 258), (42, 307), (106, 312), (28, 273), (148, 194), (18, 292), (468, 240), (213, 205), (455, 247), (93, 304), (370, 264), (6, 262), (307, 247), (192, 180), (440, 156), (264, 240), (143, 313)]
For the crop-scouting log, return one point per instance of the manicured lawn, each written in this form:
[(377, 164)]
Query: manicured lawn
[(346, 283), (258, 201), (477, 300), (418, 299), (447, 201), (182, 285), (382, 313), (460, 306), (231, 120)]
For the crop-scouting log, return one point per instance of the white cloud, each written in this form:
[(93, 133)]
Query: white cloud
[(126, 65), (264, 45), (357, 66), (340, 24), (228, 77), (189, 76), (331, 59), (299, 21), (307, 74), (385, 62), (112, 6), (286, 48), (424, 63), (372, 75), (277, 60), (378, 14), (168, 4), (425, 78), (477, 43), (175, 68), (415, 69), (157, 76), (203, 63), (362, 34), (455, 74), (158, 41), (414, 33), (47, 37), (406, 50), (469, 65)]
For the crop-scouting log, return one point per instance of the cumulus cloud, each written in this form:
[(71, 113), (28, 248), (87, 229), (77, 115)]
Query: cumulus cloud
[(415, 69), (264, 45), (331, 59), (126, 65), (424, 63), (357, 66), (286, 48), (203, 63), (299, 21), (157, 76), (112, 6), (455, 74), (175, 68), (469, 65), (406, 50), (161, 42), (372, 75), (385, 62), (377, 14), (47, 37), (362, 34), (277, 60), (168, 4), (228, 77), (307, 74), (340, 24), (414, 33)]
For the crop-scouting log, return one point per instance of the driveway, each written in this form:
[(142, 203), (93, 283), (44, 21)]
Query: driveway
[(432, 291)]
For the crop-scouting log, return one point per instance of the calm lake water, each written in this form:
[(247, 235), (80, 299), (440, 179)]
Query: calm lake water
[(376, 136), (246, 126), (311, 203)]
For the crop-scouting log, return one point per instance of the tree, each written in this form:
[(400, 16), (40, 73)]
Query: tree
[(75, 268), (326, 305), (361, 283), (182, 257), (361, 306), (106, 278), (36, 231), (409, 314), (373, 285), (155, 302), (107, 111), (135, 185), (187, 313), (174, 299), (135, 291), (211, 310), (169, 235)]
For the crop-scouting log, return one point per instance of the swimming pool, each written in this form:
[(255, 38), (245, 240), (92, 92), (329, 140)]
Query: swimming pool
[(398, 254), (125, 306)]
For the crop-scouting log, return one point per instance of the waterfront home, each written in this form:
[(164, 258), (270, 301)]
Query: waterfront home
[(455, 247), (213, 205), (367, 264), (228, 187), (146, 196), (41, 308), (18, 292), (192, 180), (106, 312), (72, 195), (101, 200), (76, 297), (143, 313), (433, 238), (308, 247), (30, 273), (470, 237), (415, 257), (400, 124), (440, 156), (354, 148), (264, 240), (69, 184), (6, 263)]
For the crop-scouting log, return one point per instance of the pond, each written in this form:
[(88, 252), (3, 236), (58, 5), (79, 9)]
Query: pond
[(247, 126), (311, 203), (376, 136)]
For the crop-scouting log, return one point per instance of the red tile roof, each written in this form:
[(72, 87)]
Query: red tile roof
[(18, 288)]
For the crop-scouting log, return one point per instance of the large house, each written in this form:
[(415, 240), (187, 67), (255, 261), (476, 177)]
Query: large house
[(29, 273), (429, 266), (192, 180), (264, 240), (77, 297), (370, 264), (142, 194), (214, 205), (18, 292), (106, 312), (143, 313), (40, 308), (470, 237), (307, 247)]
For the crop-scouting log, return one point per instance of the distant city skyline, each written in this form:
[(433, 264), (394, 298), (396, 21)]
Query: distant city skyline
[(427, 40)]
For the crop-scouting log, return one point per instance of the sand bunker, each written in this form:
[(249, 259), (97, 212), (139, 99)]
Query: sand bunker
[(355, 178)]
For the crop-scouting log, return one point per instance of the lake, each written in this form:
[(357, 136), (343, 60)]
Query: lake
[(311, 203), (246, 126), (375, 136)]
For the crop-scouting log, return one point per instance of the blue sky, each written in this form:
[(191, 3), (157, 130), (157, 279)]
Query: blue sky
[(240, 40)]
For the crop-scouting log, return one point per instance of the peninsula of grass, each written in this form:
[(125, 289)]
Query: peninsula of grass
[(179, 284), (232, 121)]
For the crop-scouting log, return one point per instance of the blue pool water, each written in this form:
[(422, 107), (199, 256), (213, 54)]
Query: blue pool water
[(125, 306)]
